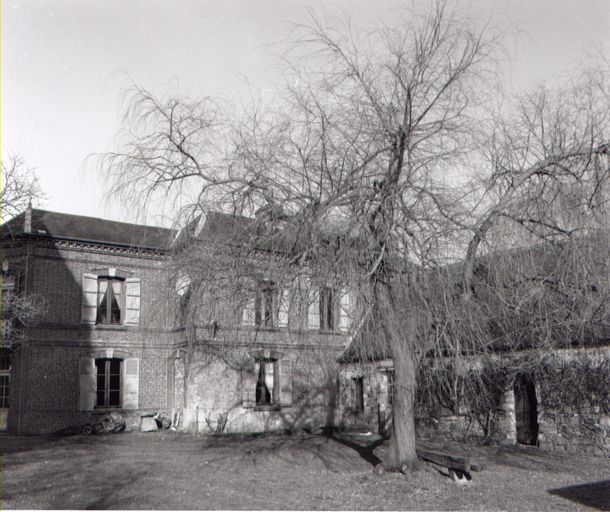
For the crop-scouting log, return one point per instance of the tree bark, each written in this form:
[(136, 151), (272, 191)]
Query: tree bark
[(403, 351), (402, 443)]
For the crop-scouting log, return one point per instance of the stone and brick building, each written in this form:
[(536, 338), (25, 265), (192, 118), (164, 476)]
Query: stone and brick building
[(104, 334)]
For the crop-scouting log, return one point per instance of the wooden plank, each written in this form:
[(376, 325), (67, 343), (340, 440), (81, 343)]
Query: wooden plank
[(450, 461)]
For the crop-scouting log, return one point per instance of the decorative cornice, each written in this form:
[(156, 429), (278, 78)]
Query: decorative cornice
[(89, 246)]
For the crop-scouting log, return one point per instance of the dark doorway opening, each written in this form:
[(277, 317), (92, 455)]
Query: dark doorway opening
[(526, 410)]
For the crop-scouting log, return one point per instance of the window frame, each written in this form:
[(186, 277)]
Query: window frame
[(264, 305), (5, 376), (261, 380), (107, 383), (108, 295), (357, 405)]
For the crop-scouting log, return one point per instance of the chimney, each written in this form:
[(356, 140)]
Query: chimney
[(27, 221)]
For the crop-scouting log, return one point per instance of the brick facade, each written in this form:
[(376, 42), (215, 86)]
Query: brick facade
[(55, 363)]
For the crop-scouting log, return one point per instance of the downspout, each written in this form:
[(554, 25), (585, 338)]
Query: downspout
[(27, 228)]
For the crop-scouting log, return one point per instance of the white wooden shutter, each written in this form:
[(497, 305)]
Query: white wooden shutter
[(248, 385), (313, 310), (282, 314), (130, 388), (132, 301), (345, 310), (285, 368), (87, 382), (89, 299), (247, 317)]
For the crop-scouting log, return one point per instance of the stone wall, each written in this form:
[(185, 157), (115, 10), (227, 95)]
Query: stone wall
[(222, 380), (572, 417)]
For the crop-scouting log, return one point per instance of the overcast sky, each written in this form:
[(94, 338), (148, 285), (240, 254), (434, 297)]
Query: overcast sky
[(65, 62)]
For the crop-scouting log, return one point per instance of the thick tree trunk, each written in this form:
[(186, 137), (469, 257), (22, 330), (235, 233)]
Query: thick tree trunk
[(399, 337), (402, 442)]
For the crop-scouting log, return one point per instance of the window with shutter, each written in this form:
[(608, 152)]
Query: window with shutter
[(268, 384), (110, 300), (108, 382)]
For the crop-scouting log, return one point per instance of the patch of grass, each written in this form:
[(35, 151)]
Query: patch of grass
[(166, 470)]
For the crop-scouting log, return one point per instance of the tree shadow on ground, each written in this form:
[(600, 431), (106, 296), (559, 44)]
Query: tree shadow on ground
[(296, 449), (594, 494), (364, 448)]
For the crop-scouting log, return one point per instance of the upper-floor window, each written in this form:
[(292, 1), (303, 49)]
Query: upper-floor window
[(264, 305), (329, 309), (109, 299), (268, 308)]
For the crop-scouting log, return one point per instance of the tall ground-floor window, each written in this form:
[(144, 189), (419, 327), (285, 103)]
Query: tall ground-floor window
[(267, 383), (108, 382), (5, 377)]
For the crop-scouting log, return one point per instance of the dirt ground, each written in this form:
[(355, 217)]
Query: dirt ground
[(166, 470)]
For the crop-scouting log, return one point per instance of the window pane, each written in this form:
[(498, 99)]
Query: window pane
[(4, 391), (5, 359), (115, 310), (115, 382), (100, 399), (101, 382), (115, 366), (114, 399)]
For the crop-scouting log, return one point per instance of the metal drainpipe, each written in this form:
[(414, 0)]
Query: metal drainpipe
[(28, 253)]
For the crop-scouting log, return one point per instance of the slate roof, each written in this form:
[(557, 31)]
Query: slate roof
[(90, 229)]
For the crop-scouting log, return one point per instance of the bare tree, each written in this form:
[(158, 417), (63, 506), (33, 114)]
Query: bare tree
[(358, 168), (19, 187)]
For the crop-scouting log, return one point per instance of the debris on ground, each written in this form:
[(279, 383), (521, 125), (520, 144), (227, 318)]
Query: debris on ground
[(109, 424), (163, 421), (148, 424)]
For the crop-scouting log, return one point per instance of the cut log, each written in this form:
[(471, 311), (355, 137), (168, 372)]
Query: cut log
[(450, 461)]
